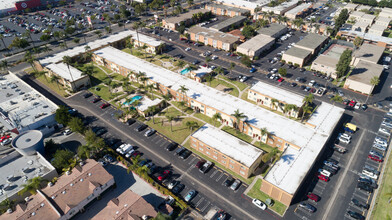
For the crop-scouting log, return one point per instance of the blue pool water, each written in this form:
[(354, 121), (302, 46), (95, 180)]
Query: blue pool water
[(185, 71), (138, 97)]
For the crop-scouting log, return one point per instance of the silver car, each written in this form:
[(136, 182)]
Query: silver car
[(235, 185), (379, 147)]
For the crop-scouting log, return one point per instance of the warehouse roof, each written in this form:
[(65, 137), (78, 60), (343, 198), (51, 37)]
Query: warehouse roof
[(284, 6), (228, 8), (183, 17), (272, 29), (252, 4), (228, 22), (311, 41), (369, 52), (228, 144), (299, 9), (298, 52), (256, 43), (213, 34), (364, 71), (278, 93)]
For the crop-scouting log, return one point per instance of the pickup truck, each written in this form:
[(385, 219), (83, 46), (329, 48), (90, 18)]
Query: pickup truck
[(205, 167)]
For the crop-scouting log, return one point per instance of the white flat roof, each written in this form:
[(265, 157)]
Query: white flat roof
[(281, 7), (287, 129), (61, 69), (22, 104), (256, 42), (245, 3), (146, 103), (370, 37), (289, 172), (12, 165), (278, 93), (99, 43), (227, 144), (299, 8), (7, 4)]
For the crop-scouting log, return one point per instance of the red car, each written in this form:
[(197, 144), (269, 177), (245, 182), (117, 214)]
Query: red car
[(204, 65), (200, 163), (4, 138), (104, 105), (352, 103), (375, 158), (164, 175), (323, 178), (95, 100), (313, 197), (280, 79), (233, 55), (183, 38), (136, 153)]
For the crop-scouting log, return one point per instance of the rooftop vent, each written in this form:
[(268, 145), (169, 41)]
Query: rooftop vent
[(53, 197), (27, 199), (117, 212), (42, 204), (71, 184), (9, 211), (81, 180), (33, 213), (89, 174), (68, 172), (125, 205), (81, 163), (63, 192), (50, 184)]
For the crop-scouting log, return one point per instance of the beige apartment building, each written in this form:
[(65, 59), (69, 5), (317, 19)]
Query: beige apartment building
[(256, 46), (297, 56), (174, 22), (219, 9), (71, 77), (367, 52), (376, 30), (223, 148), (216, 39), (325, 64), (361, 75)]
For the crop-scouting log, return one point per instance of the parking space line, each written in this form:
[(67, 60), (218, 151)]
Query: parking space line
[(362, 195), (204, 208), (199, 202), (213, 174), (194, 158), (219, 177), (225, 179)]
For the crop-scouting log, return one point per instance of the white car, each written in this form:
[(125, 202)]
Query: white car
[(67, 132), (384, 131), (324, 172), (381, 143), (344, 140), (243, 79), (357, 105), (129, 153), (344, 135), (187, 49), (311, 83), (259, 204), (214, 57)]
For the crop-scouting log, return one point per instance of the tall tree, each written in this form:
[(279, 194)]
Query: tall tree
[(62, 115), (232, 65), (183, 89), (170, 118), (32, 185), (68, 60), (76, 125), (336, 98), (191, 125), (374, 81), (238, 116), (216, 117)]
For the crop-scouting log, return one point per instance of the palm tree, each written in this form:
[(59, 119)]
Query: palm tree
[(232, 65), (238, 116), (273, 103), (374, 81), (55, 78), (7, 204), (219, 70), (32, 185), (208, 59), (28, 34), (183, 91), (136, 25), (2, 40), (308, 99), (30, 59), (264, 132), (216, 117), (336, 98), (151, 111), (4, 65), (139, 75), (306, 109), (41, 73), (170, 118), (84, 151), (209, 78), (182, 105), (108, 20), (68, 60), (191, 125)]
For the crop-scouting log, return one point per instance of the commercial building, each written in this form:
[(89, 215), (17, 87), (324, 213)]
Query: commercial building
[(312, 42), (273, 30), (69, 76), (276, 98), (225, 25), (363, 7), (297, 56), (367, 52), (377, 30), (298, 11), (256, 46), (234, 154), (361, 75), (284, 133), (325, 64), (17, 168), (29, 143), (383, 21), (128, 205), (360, 26), (220, 9), (245, 4), (8, 7), (213, 38), (367, 18), (281, 8), (174, 22), (356, 15), (22, 108), (68, 196)]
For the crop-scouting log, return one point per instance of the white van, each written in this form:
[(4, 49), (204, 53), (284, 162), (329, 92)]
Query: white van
[(369, 174)]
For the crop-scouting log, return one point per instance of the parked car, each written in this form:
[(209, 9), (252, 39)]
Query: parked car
[(354, 215), (190, 195), (235, 184), (185, 154), (6, 141), (308, 207), (101, 131), (172, 184), (164, 175), (171, 146), (178, 188), (323, 178), (141, 127), (324, 172), (313, 197), (104, 105), (95, 100), (205, 167), (130, 121), (356, 203), (67, 132), (180, 150), (149, 132), (243, 79), (228, 182), (87, 95), (375, 158), (200, 163), (252, 70), (259, 204)]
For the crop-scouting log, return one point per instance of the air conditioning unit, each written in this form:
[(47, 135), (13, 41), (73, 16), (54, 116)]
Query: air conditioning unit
[(68, 172)]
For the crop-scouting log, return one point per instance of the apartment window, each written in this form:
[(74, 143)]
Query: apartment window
[(242, 173), (242, 168), (201, 149), (231, 166), (223, 157), (287, 144), (207, 152), (266, 98), (278, 145), (215, 152), (224, 162), (231, 161), (191, 101), (271, 142), (194, 145), (280, 141), (208, 148), (237, 14), (215, 157)]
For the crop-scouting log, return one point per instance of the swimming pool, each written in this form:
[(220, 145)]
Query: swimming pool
[(185, 71), (133, 99)]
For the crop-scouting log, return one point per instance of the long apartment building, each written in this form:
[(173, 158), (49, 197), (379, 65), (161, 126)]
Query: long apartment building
[(68, 196), (214, 38), (220, 9), (303, 139)]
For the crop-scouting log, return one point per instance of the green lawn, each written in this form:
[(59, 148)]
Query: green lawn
[(237, 134), (263, 146), (208, 119), (171, 111), (180, 130), (247, 181), (382, 209), (57, 88), (215, 82), (104, 92), (108, 71), (177, 104), (117, 76), (240, 85), (256, 193), (98, 75)]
